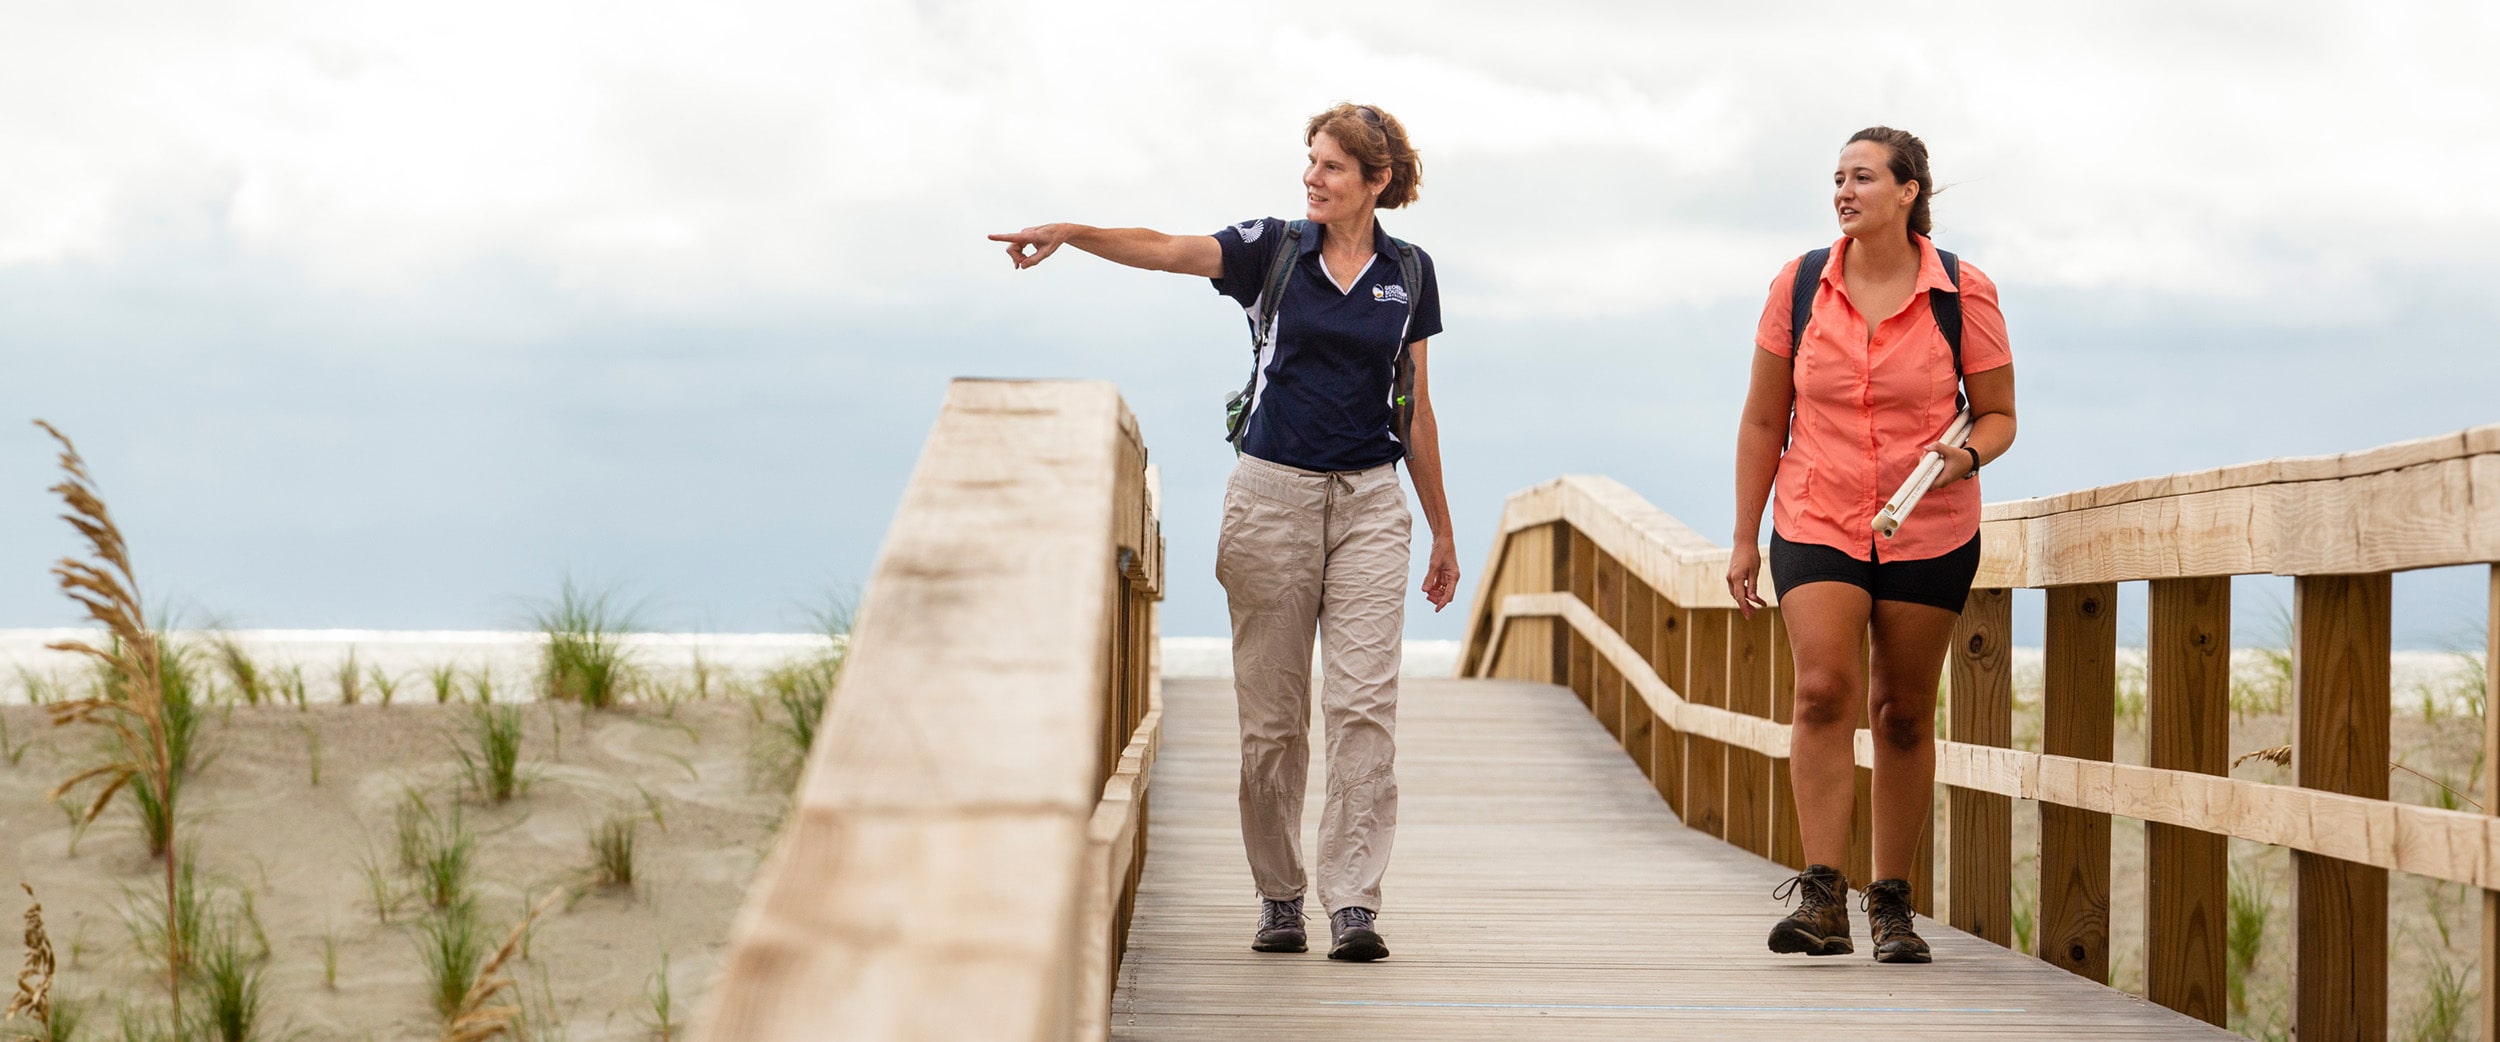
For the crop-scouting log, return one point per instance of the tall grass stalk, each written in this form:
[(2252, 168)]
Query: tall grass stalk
[(452, 945), (230, 983), (663, 1004), (351, 680), (612, 850), (34, 982), (385, 686), (2448, 1002), (2249, 912), (444, 678), (490, 755), (108, 590), (470, 1017), (584, 659), (245, 674)]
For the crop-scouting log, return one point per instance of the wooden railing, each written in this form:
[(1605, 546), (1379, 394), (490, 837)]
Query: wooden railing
[(1591, 587), (966, 839)]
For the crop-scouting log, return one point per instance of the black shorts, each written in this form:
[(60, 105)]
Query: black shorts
[(1942, 582)]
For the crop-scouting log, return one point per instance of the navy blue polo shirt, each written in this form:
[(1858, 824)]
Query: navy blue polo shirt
[(1322, 399)]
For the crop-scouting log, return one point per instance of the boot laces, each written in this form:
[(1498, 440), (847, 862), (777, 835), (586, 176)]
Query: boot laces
[(1354, 919), (1887, 908), (1814, 892)]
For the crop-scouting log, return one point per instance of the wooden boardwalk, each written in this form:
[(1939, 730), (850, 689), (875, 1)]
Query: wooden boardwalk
[(1540, 890)]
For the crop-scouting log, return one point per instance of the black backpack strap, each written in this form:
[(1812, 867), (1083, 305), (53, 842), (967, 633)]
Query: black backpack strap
[(1262, 327), (1946, 306), (1801, 295), (1402, 392)]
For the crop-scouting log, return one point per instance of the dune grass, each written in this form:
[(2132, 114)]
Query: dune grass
[(490, 752), (444, 679), (350, 679), (662, 1003), (612, 850), (464, 979), (584, 659), (143, 745)]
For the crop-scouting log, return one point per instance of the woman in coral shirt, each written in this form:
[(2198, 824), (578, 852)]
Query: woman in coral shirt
[(1839, 413)]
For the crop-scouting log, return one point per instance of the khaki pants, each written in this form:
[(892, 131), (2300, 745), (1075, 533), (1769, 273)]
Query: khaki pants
[(1301, 550)]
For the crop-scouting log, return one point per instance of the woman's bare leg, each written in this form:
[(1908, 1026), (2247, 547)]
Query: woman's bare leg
[(1910, 644), (1826, 622)]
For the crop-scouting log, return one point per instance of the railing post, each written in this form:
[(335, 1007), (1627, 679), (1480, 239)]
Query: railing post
[(1981, 890), (1666, 744), (2340, 744), (2080, 687), (1580, 577), (1748, 772), (2188, 728), (1861, 868), (1639, 629), (1787, 844), (2491, 805), (1606, 682), (1705, 761)]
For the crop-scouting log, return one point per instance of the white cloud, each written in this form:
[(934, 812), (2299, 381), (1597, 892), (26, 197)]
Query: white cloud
[(1597, 159)]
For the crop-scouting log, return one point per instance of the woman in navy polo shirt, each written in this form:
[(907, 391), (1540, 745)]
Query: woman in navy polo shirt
[(1315, 532)]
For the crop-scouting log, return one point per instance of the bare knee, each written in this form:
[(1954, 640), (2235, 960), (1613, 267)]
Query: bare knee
[(1903, 726), (1825, 698)]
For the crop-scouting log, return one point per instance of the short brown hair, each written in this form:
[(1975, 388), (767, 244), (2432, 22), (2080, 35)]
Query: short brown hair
[(1909, 163), (1378, 141)]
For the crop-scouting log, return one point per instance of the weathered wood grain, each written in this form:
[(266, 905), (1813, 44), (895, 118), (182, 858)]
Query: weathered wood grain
[(2080, 678), (2188, 728), (1980, 893), (2340, 744), (1540, 890)]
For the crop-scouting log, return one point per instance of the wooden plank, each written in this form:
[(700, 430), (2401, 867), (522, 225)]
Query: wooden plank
[(1981, 881), (2340, 744), (1580, 849), (2080, 683), (963, 739), (1640, 627), (1861, 869), (2188, 690), (1750, 652), (1787, 845), (1705, 761)]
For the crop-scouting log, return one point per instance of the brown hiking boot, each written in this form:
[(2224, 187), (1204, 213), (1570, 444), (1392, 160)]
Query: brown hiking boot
[(1887, 906), (1820, 925)]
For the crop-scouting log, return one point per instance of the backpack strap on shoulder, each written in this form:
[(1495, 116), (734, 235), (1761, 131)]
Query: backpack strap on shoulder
[(1801, 295), (1946, 307), (1402, 390), (1263, 328)]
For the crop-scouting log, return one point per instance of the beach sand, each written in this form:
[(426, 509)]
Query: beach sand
[(262, 825)]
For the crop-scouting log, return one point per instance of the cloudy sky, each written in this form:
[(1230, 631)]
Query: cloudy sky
[(378, 314)]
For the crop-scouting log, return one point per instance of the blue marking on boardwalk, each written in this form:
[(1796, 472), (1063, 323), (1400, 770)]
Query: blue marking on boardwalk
[(1681, 1009)]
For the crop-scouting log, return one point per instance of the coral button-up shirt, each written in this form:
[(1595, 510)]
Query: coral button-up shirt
[(1869, 402)]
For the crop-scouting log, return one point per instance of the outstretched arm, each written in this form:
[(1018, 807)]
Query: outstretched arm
[(1136, 247), (1423, 466)]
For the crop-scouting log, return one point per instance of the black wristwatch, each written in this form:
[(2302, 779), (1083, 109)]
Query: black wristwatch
[(1974, 461)]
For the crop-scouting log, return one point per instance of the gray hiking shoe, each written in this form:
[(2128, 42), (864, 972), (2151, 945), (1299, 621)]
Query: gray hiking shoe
[(1353, 939), (1280, 927)]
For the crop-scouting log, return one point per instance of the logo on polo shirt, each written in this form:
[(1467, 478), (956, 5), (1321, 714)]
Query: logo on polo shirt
[(1250, 231), (1389, 294)]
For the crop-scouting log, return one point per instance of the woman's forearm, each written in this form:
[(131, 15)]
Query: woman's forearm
[(1149, 249), (1423, 464)]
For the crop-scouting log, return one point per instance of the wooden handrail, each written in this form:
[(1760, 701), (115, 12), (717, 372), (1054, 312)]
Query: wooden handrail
[(964, 842), (1591, 587)]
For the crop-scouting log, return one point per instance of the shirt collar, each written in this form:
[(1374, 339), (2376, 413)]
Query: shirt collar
[(1381, 243), (1931, 273)]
